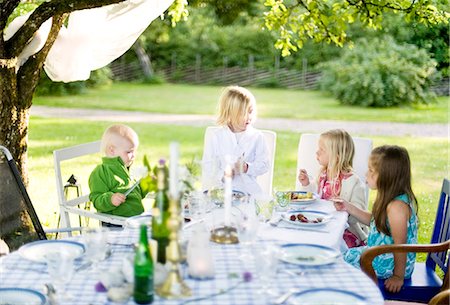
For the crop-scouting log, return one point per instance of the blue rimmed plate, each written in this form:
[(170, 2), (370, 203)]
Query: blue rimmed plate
[(328, 296), (21, 296), (306, 218), (36, 251), (308, 254)]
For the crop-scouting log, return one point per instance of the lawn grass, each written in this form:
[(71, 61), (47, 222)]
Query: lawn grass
[(429, 160), (281, 103)]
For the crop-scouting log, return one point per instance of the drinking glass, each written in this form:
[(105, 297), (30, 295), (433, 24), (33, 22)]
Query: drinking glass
[(264, 207), (282, 200), (60, 266), (95, 240), (247, 228), (266, 270)]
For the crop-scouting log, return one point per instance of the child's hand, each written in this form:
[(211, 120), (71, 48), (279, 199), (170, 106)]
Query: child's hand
[(240, 167), (394, 283), (117, 199), (340, 204), (303, 177)]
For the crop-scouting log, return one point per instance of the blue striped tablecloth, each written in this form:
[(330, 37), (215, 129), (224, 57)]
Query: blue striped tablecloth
[(16, 271)]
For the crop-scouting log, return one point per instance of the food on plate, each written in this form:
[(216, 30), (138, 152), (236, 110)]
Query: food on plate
[(301, 195), (302, 218)]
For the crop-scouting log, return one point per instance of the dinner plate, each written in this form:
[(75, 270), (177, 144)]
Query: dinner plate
[(301, 201), (310, 215), (308, 254), (134, 222), (328, 296), (21, 296), (36, 251)]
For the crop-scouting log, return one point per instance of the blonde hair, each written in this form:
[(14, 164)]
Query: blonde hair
[(115, 133), (341, 149), (393, 166), (233, 105)]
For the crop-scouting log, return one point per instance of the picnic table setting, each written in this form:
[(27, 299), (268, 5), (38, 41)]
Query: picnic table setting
[(223, 247)]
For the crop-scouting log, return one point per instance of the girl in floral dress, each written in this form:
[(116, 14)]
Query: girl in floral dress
[(337, 179), (394, 215)]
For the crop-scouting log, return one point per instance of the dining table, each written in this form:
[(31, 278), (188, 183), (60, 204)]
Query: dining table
[(235, 280)]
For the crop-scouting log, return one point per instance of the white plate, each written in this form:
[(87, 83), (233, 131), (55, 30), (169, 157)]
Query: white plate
[(37, 250), (21, 296), (135, 222), (302, 201), (308, 254), (309, 214), (328, 296)]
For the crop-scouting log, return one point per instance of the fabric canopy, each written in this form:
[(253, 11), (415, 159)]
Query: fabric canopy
[(92, 39)]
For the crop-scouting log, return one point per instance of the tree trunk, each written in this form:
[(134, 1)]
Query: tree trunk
[(13, 120), (144, 59)]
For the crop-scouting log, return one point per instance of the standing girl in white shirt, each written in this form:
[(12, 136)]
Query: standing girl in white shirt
[(235, 142)]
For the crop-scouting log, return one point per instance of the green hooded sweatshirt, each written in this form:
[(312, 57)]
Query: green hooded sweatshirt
[(111, 177)]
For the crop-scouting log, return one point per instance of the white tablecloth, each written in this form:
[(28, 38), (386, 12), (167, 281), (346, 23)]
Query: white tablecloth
[(16, 271)]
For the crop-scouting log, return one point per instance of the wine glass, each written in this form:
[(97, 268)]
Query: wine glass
[(96, 244), (60, 266), (247, 229), (266, 270)]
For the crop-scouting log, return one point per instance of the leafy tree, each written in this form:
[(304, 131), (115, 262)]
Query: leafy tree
[(296, 21), (380, 73)]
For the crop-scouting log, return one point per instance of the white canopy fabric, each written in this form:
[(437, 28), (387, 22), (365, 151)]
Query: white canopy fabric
[(92, 39)]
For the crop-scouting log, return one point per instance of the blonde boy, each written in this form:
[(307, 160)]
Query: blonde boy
[(110, 180)]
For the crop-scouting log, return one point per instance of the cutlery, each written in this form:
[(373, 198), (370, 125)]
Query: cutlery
[(132, 188), (284, 297), (51, 294), (89, 263)]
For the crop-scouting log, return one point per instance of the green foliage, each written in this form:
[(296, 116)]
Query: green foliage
[(99, 78), (327, 21), (380, 73)]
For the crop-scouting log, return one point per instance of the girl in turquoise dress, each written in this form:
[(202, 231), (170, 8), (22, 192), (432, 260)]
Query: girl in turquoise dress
[(393, 219)]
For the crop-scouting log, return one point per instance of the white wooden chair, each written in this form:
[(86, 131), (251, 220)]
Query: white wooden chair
[(265, 181), (306, 157), (71, 206)]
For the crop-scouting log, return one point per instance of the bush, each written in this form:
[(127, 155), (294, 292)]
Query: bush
[(380, 73), (99, 78)]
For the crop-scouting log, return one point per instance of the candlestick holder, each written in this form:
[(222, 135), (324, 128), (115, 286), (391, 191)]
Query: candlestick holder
[(224, 235), (174, 286)]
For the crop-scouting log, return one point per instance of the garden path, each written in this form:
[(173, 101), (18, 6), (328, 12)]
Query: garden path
[(277, 124)]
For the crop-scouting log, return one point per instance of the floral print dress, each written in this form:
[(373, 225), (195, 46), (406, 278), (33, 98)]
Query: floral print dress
[(384, 263)]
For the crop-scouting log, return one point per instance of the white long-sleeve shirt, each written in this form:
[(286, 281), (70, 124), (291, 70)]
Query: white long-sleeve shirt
[(225, 146)]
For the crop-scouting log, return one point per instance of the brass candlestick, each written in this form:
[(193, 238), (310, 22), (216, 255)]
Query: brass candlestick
[(174, 286)]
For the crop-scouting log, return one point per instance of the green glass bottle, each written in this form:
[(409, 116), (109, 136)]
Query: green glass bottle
[(143, 270), (160, 231)]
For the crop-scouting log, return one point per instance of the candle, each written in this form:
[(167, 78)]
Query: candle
[(199, 255), (227, 196), (173, 170)]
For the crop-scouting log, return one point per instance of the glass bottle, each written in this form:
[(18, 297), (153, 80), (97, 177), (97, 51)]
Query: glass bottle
[(143, 270), (160, 215)]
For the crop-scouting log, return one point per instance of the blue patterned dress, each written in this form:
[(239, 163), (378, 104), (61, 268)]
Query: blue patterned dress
[(384, 263)]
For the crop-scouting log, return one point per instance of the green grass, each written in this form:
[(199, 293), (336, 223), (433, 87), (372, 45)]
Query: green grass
[(282, 103), (429, 159)]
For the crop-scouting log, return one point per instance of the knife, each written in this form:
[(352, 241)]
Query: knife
[(132, 188)]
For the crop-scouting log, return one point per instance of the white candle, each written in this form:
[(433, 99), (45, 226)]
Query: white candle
[(173, 170), (227, 195)]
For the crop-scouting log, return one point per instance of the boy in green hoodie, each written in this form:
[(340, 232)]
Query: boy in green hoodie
[(110, 180)]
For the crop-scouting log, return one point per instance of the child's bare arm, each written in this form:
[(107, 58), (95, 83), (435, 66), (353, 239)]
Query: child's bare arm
[(398, 214), (363, 216)]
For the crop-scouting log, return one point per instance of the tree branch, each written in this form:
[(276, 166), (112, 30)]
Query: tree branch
[(29, 74), (6, 9), (45, 11)]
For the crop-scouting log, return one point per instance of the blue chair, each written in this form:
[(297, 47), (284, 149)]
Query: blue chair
[(424, 283)]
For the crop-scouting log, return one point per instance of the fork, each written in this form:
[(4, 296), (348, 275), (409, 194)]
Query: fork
[(284, 297)]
